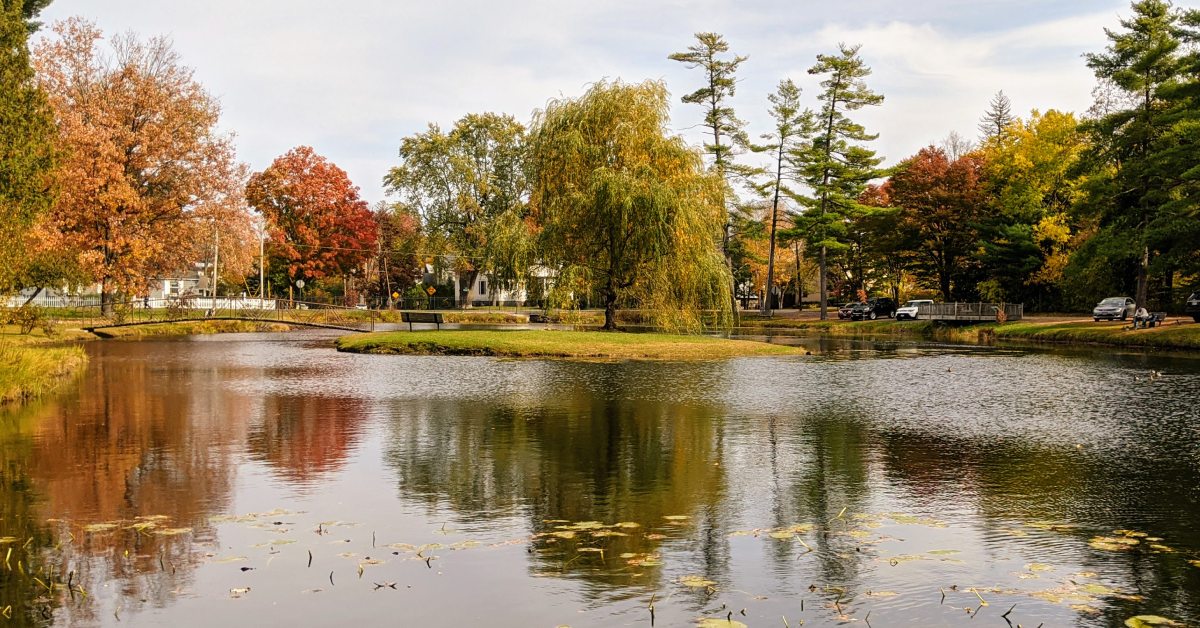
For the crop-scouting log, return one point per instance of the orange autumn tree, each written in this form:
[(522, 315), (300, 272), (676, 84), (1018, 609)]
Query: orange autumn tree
[(146, 176), (317, 225)]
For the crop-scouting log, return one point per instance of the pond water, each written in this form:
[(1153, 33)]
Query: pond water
[(266, 479)]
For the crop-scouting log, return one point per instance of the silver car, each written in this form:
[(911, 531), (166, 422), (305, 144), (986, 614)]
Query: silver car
[(1114, 308)]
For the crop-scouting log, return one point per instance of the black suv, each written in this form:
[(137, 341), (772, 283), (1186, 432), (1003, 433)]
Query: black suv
[(873, 309), (1192, 307)]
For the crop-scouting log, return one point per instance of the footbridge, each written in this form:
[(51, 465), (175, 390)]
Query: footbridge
[(189, 310)]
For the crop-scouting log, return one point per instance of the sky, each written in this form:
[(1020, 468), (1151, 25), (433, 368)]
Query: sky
[(351, 79)]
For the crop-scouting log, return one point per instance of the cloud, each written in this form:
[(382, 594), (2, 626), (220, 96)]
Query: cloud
[(353, 80)]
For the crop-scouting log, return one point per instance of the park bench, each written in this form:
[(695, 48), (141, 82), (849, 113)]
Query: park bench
[(1153, 319), (421, 317)]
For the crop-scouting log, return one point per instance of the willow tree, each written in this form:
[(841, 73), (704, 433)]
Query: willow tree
[(627, 206)]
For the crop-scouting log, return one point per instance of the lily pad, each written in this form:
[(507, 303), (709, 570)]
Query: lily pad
[(696, 581), (1142, 621), (720, 622), (1036, 567), (676, 517)]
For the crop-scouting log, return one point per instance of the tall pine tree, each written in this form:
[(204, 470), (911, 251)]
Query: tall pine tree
[(1131, 194), (835, 165)]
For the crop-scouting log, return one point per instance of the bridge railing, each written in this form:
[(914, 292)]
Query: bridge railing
[(977, 311), (170, 310)]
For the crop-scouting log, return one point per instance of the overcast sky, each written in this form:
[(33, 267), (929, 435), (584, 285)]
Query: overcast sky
[(352, 78)]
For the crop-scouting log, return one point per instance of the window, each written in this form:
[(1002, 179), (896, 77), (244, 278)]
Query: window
[(482, 286)]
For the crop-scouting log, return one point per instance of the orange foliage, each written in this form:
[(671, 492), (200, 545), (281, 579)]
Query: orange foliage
[(145, 171)]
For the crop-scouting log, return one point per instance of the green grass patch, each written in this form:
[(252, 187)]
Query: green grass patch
[(844, 328), (1174, 335), (189, 328), (30, 369), (558, 344)]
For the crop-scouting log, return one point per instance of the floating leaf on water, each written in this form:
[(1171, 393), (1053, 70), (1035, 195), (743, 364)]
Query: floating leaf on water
[(655, 537), (1085, 609), (1084, 574), (1142, 621), (720, 622), (903, 558), (1027, 576), (172, 531), (745, 533), (592, 550), (1194, 563), (696, 581), (564, 534), (5, 540), (942, 552), (468, 544), (283, 541), (1161, 548), (1097, 589), (1112, 543), (555, 521), (628, 555), (585, 525), (1130, 533), (627, 524), (1035, 567), (1049, 596), (239, 592), (604, 533), (676, 517), (882, 593), (783, 535), (100, 527)]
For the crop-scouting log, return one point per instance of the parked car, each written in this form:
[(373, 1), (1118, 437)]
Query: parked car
[(1192, 306), (844, 311), (1114, 308), (873, 309), (910, 309)]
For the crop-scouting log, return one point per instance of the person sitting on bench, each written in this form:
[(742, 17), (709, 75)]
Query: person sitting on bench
[(1141, 317)]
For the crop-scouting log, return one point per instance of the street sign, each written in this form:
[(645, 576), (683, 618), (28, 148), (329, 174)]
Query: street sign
[(430, 290), (299, 283)]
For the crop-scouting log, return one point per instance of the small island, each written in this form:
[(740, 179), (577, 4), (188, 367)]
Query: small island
[(559, 344)]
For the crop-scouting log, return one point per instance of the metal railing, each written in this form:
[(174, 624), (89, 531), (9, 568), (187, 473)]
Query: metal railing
[(188, 309), (970, 311)]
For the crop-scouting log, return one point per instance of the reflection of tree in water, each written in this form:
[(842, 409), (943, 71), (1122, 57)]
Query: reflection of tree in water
[(20, 522), (305, 437), (569, 456), (1014, 481), (818, 461), (142, 440)]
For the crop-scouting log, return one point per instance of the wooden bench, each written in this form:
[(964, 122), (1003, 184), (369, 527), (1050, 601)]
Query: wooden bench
[(421, 317)]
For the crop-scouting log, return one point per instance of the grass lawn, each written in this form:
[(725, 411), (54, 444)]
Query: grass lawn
[(558, 344), (1173, 335), (189, 328)]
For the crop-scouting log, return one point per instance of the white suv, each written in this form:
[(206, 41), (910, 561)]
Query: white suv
[(909, 310)]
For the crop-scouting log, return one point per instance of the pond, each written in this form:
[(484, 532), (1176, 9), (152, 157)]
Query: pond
[(266, 479)]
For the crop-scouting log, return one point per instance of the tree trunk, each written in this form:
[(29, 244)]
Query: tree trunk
[(821, 285), (106, 306), (1142, 288), (767, 305), (32, 296), (610, 309)]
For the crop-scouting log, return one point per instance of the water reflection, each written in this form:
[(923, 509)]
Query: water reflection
[(861, 480)]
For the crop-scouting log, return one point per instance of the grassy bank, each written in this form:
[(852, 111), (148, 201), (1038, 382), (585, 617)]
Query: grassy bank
[(1177, 334), (30, 367), (189, 329), (1174, 335), (558, 344)]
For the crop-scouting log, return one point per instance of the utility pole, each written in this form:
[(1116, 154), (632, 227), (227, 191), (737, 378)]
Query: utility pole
[(262, 261), (216, 260)]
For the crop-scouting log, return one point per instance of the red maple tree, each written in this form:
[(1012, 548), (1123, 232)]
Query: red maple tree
[(316, 222)]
